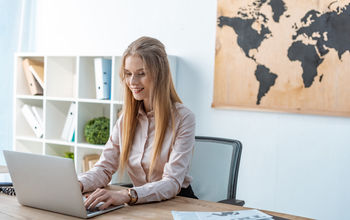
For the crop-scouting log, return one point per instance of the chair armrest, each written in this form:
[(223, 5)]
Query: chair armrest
[(233, 202)]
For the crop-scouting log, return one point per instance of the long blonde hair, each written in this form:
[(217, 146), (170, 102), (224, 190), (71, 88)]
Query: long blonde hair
[(164, 97)]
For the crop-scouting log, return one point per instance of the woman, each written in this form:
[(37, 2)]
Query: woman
[(153, 138)]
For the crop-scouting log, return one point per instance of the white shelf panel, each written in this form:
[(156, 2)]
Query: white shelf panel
[(51, 98), (116, 108), (61, 76), (22, 128), (56, 113), (29, 138), (59, 142), (117, 87), (118, 102), (57, 149), (29, 146), (91, 146), (81, 152), (39, 97), (95, 101)]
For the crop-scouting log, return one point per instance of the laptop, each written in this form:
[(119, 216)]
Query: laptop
[(49, 183)]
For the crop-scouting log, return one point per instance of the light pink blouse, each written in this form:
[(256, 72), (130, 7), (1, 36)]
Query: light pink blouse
[(172, 166)]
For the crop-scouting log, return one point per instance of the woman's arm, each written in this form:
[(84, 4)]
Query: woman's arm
[(177, 166), (101, 174)]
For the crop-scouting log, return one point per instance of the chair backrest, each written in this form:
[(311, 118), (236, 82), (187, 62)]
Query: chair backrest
[(214, 168)]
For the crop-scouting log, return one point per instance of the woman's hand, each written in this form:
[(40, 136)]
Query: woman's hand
[(109, 197)]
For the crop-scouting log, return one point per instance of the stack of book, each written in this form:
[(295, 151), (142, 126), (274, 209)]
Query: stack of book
[(103, 72), (34, 117), (68, 132), (34, 72)]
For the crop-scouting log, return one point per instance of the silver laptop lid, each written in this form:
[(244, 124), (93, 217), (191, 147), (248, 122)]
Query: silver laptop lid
[(46, 182)]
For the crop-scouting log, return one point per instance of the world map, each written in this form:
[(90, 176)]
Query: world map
[(313, 34)]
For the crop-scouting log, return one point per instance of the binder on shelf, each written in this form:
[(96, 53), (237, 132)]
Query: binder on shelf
[(103, 71), (69, 125), (73, 137), (32, 121), (38, 113), (71, 131), (37, 69), (34, 86)]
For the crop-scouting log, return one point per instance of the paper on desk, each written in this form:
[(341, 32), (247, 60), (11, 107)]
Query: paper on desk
[(252, 214)]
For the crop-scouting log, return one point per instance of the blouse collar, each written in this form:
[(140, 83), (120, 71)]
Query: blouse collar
[(142, 112)]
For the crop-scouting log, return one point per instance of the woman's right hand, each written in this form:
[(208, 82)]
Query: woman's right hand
[(108, 197)]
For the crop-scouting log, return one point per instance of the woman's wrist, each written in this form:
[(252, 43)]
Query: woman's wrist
[(125, 196)]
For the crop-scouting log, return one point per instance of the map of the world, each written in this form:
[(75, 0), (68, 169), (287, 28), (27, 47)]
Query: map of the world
[(285, 55)]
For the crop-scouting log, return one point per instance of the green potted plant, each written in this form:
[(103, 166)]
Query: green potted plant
[(96, 130)]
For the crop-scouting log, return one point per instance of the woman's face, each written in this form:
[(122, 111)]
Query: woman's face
[(138, 80)]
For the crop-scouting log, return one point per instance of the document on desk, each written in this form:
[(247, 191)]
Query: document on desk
[(252, 214)]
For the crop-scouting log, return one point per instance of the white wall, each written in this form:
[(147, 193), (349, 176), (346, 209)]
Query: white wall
[(10, 12), (298, 164)]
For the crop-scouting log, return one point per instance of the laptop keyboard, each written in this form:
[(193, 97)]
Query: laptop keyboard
[(96, 211)]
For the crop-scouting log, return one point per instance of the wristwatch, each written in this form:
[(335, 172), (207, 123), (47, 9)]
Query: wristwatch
[(133, 196)]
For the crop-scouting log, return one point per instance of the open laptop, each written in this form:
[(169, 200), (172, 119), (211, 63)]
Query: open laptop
[(49, 183)]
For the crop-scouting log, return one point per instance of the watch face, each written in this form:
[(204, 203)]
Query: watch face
[(133, 196), (133, 193)]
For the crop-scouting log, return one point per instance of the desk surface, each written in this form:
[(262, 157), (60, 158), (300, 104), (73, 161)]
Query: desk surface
[(11, 209)]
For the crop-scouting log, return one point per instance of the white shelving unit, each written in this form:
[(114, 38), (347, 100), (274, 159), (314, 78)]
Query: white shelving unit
[(67, 79)]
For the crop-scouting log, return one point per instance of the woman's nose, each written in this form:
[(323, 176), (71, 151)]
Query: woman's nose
[(133, 80)]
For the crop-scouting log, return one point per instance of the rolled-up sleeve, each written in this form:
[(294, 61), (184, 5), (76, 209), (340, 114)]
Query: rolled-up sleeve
[(177, 166), (100, 175)]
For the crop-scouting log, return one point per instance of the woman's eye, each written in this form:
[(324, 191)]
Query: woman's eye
[(127, 74), (141, 74)]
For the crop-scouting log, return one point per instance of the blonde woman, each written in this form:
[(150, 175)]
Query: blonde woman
[(153, 138)]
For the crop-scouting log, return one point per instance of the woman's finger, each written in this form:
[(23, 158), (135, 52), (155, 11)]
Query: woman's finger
[(106, 204), (99, 198), (92, 197)]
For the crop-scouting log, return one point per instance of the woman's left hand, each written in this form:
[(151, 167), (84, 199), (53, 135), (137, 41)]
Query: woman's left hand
[(109, 197)]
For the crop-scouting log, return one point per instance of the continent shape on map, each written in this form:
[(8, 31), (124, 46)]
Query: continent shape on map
[(248, 38), (330, 30), (278, 8)]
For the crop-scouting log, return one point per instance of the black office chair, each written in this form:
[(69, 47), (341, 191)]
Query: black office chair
[(214, 169)]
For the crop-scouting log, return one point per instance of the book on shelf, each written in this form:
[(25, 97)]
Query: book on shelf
[(32, 120), (68, 132), (39, 115), (37, 69), (103, 72), (34, 86)]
